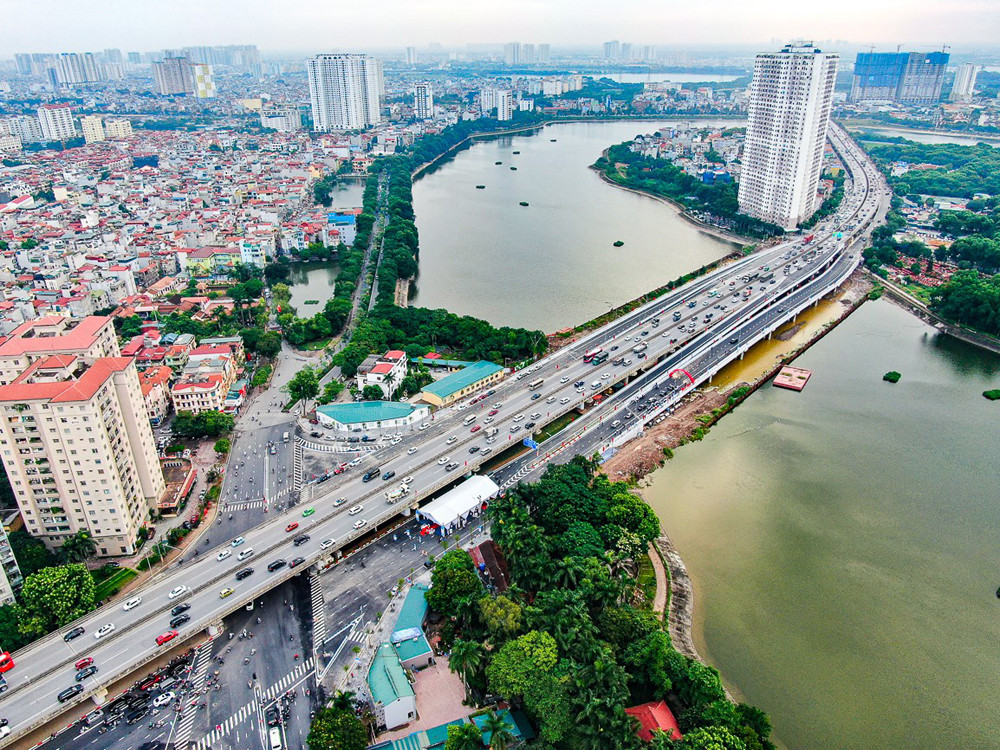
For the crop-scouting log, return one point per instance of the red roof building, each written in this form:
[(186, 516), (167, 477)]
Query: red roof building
[(652, 716)]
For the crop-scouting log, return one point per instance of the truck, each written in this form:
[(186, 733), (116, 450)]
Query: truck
[(639, 348), (491, 434), (394, 496), (808, 238)]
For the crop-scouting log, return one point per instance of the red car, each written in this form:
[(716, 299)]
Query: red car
[(166, 637), (477, 428), (84, 663), (494, 412), (6, 663), (291, 527)]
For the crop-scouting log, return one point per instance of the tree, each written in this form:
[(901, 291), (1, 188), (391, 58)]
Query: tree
[(501, 616), (372, 393), (336, 729), (53, 597), (222, 446), (78, 547), (453, 582), (344, 700), (522, 661), (269, 344), (204, 424), (304, 385), (708, 738), (462, 737), (29, 243), (30, 552), (499, 731), (466, 658), (11, 636)]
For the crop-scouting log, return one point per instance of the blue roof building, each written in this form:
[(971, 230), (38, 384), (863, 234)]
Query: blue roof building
[(408, 638), (453, 387)]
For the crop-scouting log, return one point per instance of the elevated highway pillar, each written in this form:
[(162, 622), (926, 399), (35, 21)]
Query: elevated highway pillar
[(100, 696), (215, 629)]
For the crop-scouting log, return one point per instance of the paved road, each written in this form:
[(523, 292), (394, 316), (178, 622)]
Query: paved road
[(45, 668)]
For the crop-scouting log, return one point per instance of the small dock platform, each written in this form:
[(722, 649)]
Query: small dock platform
[(793, 378)]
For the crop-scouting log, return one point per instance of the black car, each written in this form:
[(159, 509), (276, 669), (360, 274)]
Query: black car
[(296, 562), (180, 608), (734, 340), (614, 348), (179, 620), (137, 715), (245, 573), (369, 475), (85, 673), (272, 716), (74, 633), (301, 539), (388, 475), (69, 692), (273, 566), (474, 449), (536, 396), (529, 425)]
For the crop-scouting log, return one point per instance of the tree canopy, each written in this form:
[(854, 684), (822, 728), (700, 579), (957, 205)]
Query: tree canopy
[(53, 597), (336, 728), (204, 424)]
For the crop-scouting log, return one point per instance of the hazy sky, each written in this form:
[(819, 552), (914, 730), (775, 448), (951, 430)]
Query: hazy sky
[(312, 25)]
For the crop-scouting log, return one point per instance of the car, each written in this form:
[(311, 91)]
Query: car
[(645, 333), (177, 591), (486, 451), (463, 407), (564, 379), (176, 622), (360, 524), (423, 427), (388, 475), (296, 562), (535, 415), (493, 412), (84, 663), (248, 552), (518, 418), (136, 716), (166, 637), (70, 692), (407, 479), (550, 400), (132, 603), (275, 565), (529, 426), (627, 362), (308, 512), (536, 396), (291, 527), (395, 441), (474, 449), (615, 347), (272, 716), (451, 467), (74, 633), (450, 440), (237, 542), (228, 591), (243, 573), (514, 428), (104, 630), (564, 400), (355, 461), (223, 555), (616, 424), (326, 544), (164, 698), (300, 540), (443, 460), (339, 501), (86, 672), (355, 510), (498, 404), (606, 376), (411, 451), (477, 428)]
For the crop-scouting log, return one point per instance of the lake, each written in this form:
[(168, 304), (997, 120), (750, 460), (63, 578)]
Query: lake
[(843, 542)]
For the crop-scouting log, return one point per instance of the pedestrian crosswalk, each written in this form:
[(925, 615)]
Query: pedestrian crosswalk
[(318, 610), (297, 465), (246, 505), (201, 661), (359, 632), (223, 729)]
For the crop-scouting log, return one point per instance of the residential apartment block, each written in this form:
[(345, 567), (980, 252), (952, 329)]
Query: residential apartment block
[(93, 128), (345, 91), (56, 122), (791, 94), (914, 78)]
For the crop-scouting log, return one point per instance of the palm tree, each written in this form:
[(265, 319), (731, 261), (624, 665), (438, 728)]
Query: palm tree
[(390, 378), (78, 547), (466, 658), (464, 737), (498, 728), (344, 700)]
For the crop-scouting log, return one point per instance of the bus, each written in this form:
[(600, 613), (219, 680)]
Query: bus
[(534, 385), (599, 359), (591, 354)]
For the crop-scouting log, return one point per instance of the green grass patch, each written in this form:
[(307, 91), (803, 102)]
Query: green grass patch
[(311, 302), (556, 426), (647, 580), (114, 583), (315, 346), (919, 291)]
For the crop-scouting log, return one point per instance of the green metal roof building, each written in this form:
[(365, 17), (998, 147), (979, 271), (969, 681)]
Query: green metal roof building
[(408, 637), (435, 737), (370, 415), (391, 689), (465, 381)]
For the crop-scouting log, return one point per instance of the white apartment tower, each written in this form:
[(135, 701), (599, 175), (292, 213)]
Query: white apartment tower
[(345, 91), (423, 101), (411, 55), (500, 100), (93, 128), (117, 129), (173, 75), (965, 83), (789, 109), (76, 440), (204, 81), (56, 122)]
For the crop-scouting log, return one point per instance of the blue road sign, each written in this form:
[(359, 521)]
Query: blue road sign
[(530, 443)]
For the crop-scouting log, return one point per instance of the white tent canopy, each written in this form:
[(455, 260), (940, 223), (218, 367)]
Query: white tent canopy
[(453, 508)]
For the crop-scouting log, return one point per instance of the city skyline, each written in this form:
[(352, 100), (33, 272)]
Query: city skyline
[(309, 27)]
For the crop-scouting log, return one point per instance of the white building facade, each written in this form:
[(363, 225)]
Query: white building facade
[(423, 101), (345, 91), (789, 110), (965, 82), (93, 128), (56, 122)]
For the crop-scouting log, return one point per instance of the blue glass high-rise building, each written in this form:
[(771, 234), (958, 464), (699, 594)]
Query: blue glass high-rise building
[(903, 77)]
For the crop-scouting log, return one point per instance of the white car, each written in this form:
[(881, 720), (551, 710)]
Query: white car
[(395, 441), (564, 400), (132, 603), (488, 420), (237, 541), (407, 480), (248, 552), (177, 591), (627, 362), (223, 555), (518, 418), (536, 415), (443, 460), (355, 510), (606, 376), (355, 461), (550, 400), (411, 451), (497, 405), (164, 698), (451, 440), (104, 630), (360, 524), (326, 544), (424, 426), (462, 407), (564, 380)]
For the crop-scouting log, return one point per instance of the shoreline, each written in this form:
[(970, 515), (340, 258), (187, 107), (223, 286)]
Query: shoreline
[(850, 124)]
